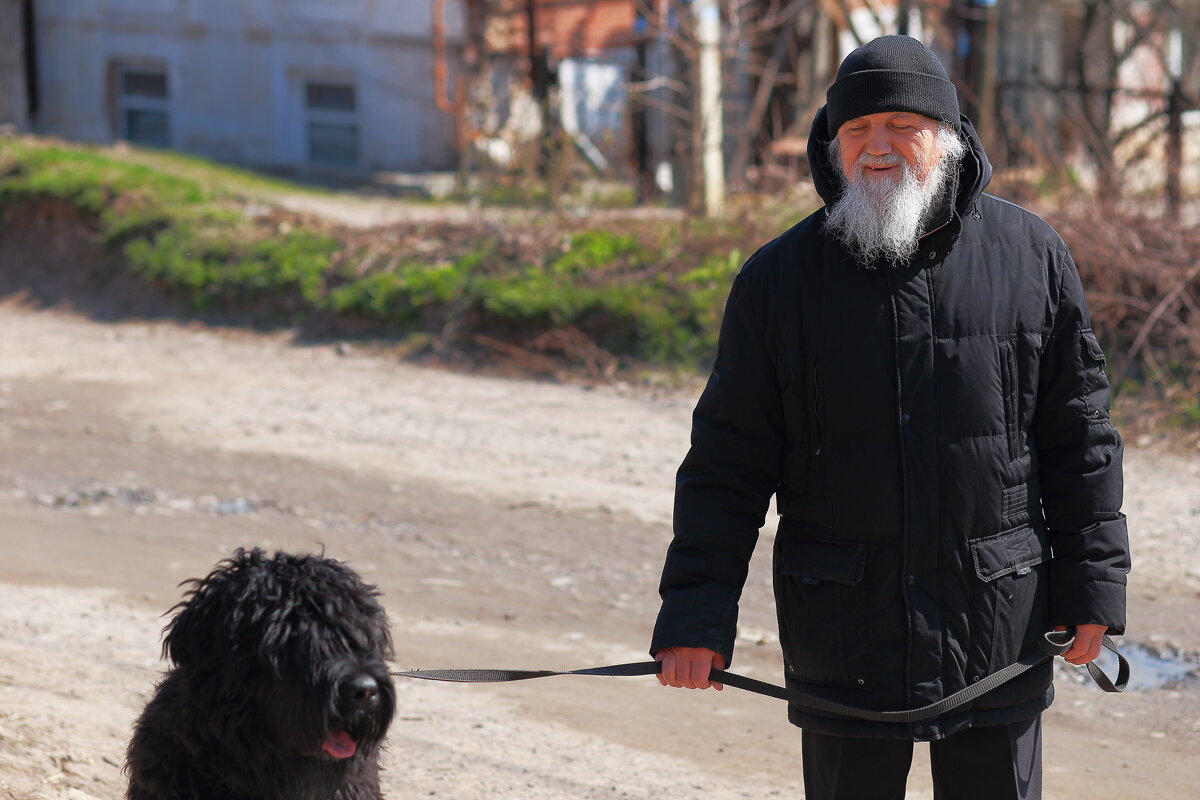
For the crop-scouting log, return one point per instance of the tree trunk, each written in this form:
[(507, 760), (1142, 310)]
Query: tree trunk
[(709, 117)]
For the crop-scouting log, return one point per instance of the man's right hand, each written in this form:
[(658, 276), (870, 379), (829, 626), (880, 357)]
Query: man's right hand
[(689, 667)]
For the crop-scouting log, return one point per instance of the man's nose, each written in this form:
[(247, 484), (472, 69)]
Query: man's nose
[(878, 141)]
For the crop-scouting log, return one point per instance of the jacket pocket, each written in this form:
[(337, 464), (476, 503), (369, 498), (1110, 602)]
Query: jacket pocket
[(1009, 387), (1007, 552), (1095, 382), (1011, 599), (821, 602)]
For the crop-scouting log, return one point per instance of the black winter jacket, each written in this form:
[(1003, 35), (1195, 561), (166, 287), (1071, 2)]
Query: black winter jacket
[(938, 440)]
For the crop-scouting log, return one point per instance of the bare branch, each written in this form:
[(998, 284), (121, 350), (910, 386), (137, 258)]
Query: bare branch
[(682, 39), (670, 108), (657, 82), (777, 18), (875, 16), (848, 22), (1151, 321), (1121, 136), (758, 106)]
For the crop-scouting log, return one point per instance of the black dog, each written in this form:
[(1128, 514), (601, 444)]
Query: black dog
[(278, 690)]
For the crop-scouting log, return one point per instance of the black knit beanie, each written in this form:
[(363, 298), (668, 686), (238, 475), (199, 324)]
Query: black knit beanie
[(891, 73)]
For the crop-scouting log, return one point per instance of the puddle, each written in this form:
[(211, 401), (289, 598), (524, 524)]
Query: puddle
[(238, 505), (1148, 668)]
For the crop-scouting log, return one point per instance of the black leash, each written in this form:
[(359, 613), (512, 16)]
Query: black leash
[(1053, 644)]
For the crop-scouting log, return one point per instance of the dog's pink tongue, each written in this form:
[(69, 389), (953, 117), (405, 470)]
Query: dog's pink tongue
[(339, 745)]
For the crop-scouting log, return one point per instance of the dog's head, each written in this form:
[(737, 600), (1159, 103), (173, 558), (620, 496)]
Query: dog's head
[(291, 652)]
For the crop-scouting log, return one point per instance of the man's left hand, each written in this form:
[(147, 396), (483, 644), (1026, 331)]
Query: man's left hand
[(1087, 642)]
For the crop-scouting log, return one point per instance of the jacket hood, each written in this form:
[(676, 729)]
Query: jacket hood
[(974, 174)]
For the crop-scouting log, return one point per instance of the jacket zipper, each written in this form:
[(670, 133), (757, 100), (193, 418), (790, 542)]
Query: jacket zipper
[(935, 230), (1009, 385), (816, 406)]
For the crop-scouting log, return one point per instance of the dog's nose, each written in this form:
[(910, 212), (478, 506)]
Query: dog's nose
[(362, 692)]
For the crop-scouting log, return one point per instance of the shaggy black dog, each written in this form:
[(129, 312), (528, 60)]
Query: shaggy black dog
[(278, 689)]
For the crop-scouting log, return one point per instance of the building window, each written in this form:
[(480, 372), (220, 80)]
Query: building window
[(331, 111), (144, 118)]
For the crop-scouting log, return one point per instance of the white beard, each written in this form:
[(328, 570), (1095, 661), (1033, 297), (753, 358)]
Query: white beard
[(884, 217)]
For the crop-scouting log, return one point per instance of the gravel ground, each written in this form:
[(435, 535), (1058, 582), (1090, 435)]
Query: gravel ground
[(509, 523)]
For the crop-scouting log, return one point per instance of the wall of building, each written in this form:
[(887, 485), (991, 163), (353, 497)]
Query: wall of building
[(14, 102), (585, 27), (236, 74)]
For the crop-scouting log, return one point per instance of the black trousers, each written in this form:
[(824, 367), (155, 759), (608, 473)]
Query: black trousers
[(996, 763)]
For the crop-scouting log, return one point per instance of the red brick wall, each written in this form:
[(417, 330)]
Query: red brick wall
[(567, 27), (577, 28)]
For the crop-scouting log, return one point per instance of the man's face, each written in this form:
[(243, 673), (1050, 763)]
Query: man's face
[(896, 165), (881, 140)]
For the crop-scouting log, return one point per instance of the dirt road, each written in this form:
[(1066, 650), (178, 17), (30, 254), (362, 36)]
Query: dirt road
[(508, 523)]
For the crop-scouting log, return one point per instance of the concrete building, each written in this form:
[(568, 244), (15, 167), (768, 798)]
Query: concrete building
[(295, 85), (15, 64), (570, 58)]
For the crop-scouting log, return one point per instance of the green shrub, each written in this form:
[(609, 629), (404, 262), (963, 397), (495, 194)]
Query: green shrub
[(92, 182), (207, 267), (593, 251), (380, 295), (650, 291), (402, 294)]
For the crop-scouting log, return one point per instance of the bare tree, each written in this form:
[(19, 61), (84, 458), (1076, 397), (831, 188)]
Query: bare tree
[(1093, 78)]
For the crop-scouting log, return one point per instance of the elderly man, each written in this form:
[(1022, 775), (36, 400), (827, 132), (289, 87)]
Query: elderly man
[(912, 373)]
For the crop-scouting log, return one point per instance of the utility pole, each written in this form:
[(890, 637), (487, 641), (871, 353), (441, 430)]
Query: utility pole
[(708, 36), (1175, 108), (985, 76), (903, 12), (539, 82)]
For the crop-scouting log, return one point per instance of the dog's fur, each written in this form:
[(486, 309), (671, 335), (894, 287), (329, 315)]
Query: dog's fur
[(278, 687)]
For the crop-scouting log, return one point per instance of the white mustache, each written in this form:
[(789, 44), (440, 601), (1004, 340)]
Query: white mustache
[(889, 160)]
